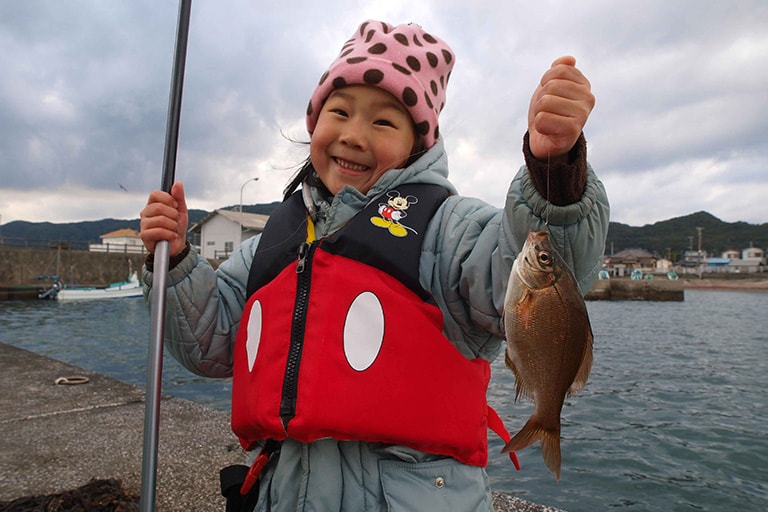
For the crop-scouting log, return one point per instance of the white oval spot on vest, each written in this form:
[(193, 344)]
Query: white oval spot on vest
[(363, 331), (253, 334)]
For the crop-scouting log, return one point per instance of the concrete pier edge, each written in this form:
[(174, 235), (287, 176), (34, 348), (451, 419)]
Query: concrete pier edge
[(57, 437)]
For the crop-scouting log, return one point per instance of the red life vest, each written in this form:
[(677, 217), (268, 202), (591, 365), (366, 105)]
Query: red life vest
[(339, 340)]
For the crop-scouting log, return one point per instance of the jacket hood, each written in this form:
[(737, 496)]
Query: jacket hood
[(431, 168)]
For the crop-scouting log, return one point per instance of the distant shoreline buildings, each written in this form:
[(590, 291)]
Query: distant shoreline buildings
[(748, 260)]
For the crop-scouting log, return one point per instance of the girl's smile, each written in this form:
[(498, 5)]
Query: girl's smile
[(350, 165)]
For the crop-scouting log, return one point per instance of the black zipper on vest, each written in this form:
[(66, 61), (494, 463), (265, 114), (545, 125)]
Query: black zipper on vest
[(298, 325)]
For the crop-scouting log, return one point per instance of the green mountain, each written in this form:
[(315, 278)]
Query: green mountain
[(677, 235), (669, 237), (74, 233)]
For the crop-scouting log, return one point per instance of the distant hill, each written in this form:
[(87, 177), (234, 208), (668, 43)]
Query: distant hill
[(81, 233), (76, 232), (671, 236), (679, 234)]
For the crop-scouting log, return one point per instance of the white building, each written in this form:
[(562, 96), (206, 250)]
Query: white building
[(752, 260), (125, 241), (222, 230)]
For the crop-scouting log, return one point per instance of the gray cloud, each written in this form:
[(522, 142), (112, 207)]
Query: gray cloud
[(679, 124)]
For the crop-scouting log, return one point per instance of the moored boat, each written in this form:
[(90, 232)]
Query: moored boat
[(122, 290)]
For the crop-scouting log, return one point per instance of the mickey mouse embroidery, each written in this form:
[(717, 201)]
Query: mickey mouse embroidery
[(393, 211)]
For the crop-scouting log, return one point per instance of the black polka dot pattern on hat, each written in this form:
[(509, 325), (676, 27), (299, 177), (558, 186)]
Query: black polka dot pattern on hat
[(373, 76), (410, 98)]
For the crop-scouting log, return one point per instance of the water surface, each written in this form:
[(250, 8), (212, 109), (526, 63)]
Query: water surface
[(673, 418)]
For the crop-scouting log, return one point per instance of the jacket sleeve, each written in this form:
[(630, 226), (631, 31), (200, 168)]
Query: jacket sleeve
[(203, 309), (470, 247)]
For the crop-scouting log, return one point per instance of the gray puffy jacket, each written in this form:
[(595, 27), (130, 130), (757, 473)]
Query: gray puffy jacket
[(465, 263)]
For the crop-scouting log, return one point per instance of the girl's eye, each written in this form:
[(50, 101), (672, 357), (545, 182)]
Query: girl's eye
[(383, 122), (339, 112)]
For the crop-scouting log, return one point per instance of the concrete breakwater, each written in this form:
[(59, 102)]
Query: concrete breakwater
[(628, 289), (674, 290), (22, 266)]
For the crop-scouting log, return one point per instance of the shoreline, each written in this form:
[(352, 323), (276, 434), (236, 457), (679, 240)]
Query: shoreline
[(662, 289), (748, 284)]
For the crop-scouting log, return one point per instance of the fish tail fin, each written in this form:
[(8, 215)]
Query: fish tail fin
[(550, 450), (529, 434), (534, 431)]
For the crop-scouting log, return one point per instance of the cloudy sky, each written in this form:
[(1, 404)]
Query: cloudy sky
[(680, 124)]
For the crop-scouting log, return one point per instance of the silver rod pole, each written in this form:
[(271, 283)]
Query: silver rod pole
[(160, 275)]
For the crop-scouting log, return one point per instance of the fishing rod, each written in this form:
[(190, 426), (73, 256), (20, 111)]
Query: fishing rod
[(160, 273)]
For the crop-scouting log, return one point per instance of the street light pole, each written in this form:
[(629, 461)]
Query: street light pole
[(240, 236)]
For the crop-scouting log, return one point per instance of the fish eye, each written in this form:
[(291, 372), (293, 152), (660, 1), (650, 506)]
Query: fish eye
[(544, 257)]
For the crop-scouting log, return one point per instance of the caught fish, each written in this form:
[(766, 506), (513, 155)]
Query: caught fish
[(549, 342)]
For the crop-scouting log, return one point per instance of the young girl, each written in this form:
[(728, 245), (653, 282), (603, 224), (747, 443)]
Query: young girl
[(359, 326)]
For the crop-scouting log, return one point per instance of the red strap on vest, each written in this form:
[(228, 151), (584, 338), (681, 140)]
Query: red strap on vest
[(255, 471), (495, 424)]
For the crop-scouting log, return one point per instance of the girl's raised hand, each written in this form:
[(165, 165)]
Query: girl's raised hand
[(559, 109)]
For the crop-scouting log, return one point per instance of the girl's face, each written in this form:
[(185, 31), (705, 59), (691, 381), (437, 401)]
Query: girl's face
[(361, 133)]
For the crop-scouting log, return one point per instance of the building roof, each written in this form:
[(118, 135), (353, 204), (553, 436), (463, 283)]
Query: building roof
[(632, 253), (631, 256), (122, 233), (255, 221)]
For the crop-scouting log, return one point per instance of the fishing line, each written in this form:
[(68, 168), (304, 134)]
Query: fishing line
[(546, 215)]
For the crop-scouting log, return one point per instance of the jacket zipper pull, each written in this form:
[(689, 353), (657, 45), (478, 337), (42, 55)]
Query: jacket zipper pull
[(303, 252)]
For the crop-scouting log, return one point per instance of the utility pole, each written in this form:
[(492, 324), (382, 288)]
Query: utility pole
[(701, 272)]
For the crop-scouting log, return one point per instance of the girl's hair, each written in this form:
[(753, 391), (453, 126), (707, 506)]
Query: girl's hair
[(305, 172)]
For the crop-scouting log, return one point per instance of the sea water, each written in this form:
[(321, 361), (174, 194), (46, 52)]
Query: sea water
[(674, 417)]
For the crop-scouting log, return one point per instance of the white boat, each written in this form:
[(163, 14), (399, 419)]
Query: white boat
[(122, 290)]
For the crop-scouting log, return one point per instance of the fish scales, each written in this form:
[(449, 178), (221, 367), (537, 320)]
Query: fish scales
[(549, 342)]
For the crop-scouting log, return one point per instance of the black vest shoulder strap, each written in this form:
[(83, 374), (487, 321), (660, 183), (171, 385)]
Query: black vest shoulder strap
[(284, 232)]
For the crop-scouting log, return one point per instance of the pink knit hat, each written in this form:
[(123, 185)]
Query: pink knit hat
[(404, 60)]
